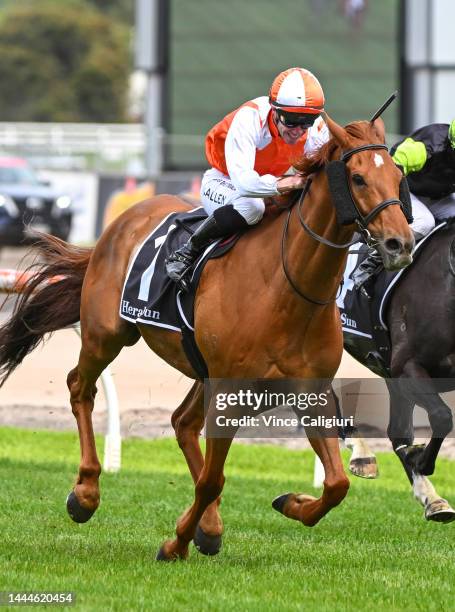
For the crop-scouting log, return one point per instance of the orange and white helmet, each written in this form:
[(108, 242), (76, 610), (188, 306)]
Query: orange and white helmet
[(297, 96)]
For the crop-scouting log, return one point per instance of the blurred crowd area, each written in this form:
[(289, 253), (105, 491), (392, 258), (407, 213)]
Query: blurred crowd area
[(135, 191), (353, 10)]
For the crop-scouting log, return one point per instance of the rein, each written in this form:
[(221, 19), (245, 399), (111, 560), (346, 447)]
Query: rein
[(361, 221), (313, 234), (285, 268)]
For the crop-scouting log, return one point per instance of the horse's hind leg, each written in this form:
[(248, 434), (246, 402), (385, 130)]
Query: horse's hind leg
[(416, 385), (187, 422), (96, 354)]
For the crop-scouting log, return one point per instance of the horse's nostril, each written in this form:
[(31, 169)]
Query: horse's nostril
[(393, 245)]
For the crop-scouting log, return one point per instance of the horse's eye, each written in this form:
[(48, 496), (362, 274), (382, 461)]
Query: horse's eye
[(358, 180)]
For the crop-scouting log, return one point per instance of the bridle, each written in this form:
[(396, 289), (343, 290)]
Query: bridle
[(362, 221)]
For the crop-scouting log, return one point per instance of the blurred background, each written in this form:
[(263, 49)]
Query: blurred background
[(106, 102)]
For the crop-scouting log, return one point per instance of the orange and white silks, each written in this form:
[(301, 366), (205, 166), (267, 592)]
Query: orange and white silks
[(246, 147), (275, 158)]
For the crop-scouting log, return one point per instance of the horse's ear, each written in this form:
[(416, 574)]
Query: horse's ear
[(379, 128), (337, 131)]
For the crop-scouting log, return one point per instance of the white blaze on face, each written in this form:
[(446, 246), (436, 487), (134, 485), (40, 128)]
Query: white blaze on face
[(378, 160)]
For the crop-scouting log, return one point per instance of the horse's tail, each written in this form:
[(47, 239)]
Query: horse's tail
[(50, 299)]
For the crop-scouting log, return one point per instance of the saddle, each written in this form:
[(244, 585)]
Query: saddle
[(150, 297)]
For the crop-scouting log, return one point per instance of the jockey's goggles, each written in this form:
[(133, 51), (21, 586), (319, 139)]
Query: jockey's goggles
[(292, 120)]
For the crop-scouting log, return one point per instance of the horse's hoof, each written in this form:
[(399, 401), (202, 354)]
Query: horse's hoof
[(207, 544), (364, 467), (279, 502), (162, 557), (78, 513), (174, 556), (440, 511)]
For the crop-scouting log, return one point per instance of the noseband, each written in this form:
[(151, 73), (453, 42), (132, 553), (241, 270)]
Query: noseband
[(346, 209)]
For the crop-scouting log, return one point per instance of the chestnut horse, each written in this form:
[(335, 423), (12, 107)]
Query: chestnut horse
[(280, 320)]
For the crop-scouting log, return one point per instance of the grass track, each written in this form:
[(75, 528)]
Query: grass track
[(374, 552)]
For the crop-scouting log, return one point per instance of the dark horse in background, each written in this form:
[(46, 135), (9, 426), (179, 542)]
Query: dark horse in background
[(421, 322), (280, 320)]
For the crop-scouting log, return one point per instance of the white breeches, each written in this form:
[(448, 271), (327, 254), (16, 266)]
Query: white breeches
[(218, 190), (425, 210), (423, 219)]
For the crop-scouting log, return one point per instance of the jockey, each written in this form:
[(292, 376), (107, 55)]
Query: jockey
[(427, 159), (248, 151)]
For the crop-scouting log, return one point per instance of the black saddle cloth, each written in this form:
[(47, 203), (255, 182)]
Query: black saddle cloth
[(365, 333), (150, 297)]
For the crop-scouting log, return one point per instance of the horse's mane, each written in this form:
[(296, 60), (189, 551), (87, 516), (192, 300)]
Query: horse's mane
[(359, 130)]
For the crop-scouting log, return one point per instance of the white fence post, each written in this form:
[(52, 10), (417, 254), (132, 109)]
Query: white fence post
[(113, 438), (319, 473)]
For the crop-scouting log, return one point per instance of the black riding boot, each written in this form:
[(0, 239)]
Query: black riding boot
[(224, 221), (367, 270)]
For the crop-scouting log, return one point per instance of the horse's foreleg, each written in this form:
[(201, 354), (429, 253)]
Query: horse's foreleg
[(401, 434), (363, 461), (401, 429), (85, 497), (208, 488), (417, 385), (441, 422), (306, 508), (436, 508), (187, 422)]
